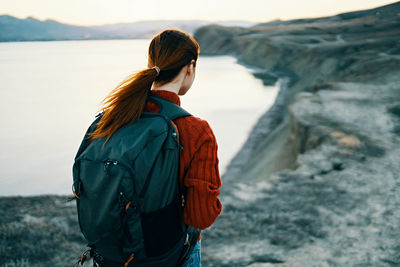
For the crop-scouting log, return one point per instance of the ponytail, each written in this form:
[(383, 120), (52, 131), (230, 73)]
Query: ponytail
[(125, 103), (171, 49)]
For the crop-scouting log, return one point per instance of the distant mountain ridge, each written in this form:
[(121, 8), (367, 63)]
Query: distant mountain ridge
[(32, 29), (390, 10)]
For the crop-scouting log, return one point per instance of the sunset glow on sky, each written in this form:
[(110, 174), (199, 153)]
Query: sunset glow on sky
[(96, 12)]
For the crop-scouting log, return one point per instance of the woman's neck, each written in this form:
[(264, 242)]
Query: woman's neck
[(167, 87)]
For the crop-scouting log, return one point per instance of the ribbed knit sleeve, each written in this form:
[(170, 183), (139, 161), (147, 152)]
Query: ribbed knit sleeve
[(198, 166), (202, 180)]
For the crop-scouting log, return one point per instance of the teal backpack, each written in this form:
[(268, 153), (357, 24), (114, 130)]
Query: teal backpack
[(128, 196)]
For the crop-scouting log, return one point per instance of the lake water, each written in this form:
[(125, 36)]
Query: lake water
[(50, 92)]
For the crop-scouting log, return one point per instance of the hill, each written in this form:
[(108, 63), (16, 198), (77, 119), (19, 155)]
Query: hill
[(31, 29)]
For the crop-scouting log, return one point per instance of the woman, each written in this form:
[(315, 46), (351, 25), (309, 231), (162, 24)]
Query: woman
[(171, 69)]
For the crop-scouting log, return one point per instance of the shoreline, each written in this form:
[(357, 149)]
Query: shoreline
[(263, 129)]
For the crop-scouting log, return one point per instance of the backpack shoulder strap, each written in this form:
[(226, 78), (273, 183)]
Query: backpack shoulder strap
[(168, 108), (85, 142)]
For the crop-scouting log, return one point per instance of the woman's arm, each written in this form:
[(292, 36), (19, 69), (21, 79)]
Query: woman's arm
[(202, 180)]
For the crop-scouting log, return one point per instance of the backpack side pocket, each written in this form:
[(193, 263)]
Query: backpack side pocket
[(106, 188)]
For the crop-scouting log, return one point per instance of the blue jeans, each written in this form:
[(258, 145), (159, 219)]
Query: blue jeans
[(195, 257)]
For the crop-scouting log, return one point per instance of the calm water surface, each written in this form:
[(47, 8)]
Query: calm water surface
[(50, 92)]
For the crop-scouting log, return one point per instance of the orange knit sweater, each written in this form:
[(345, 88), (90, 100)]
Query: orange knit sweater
[(198, 166)]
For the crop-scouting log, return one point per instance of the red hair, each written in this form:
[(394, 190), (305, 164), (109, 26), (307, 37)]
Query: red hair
[(170, 50)]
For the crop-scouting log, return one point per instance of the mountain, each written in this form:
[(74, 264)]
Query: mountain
[(32, 29), (387, 10)]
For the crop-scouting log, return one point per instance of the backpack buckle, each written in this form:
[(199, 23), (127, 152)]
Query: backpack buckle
[(97, 258)]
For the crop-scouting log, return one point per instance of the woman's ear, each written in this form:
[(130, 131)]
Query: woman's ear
[(190, 69), (192, 63)]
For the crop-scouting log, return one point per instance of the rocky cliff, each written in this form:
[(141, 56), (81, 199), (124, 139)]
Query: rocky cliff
[(317, 182)]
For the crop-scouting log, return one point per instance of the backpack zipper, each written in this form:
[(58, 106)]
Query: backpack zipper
[(122, 200), (108, 162)]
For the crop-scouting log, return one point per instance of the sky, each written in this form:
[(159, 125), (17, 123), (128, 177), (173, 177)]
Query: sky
[(97, 12)]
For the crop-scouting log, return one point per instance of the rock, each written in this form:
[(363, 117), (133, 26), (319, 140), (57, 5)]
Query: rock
[(268, 78)]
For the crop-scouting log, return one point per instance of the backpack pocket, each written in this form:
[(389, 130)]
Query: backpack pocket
[(106, 188), (162, 228)]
